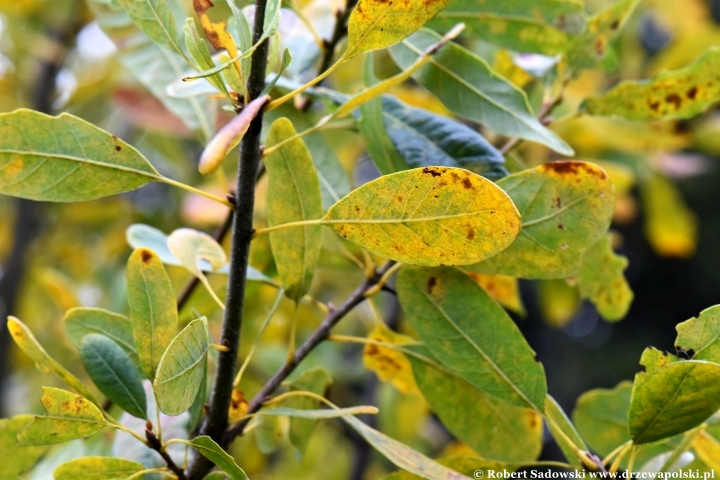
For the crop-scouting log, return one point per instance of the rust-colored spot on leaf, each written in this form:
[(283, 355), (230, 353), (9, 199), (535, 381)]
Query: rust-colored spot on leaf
[(470, 234), (692, 93), (654, 105), (431, 284), (431, 171), (118, 148), (675, 99), (614, 25), (146, 256), (467, 183)]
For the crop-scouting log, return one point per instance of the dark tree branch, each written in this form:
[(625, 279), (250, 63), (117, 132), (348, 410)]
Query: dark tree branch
[(154, 442), (250, 153)]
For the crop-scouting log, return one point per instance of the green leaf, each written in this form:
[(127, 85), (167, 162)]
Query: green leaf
[(319, 414), (471, 334), (425, 139), (316, 380), (213, 452), (551, 11), (673, 399), (156, 19), (566, 208), (82, 321), (24, 339), (602, 281), (293, 195), (701, 335), (428, 216), (153, 310), (14, 458), (182, 368), (155, 68), (97, 468), (115, 375), (601, 417), (378, 24), (564, 432), (678, 94), (467, 85), (200, 54), (197, 408), (592, 49), (465, 465), (68, 417), (403, 456), (494, 429), (66, 159)]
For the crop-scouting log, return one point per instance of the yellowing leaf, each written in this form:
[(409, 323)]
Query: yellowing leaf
[(708, 450), (389, 364), (24, 339), (238, 406), (68, 417), (566, 208), (467, 465), (14, 458), (153, 309), (378, 24), (293, 195), (316, 380), (602, 281), (97, 468), (558, 302), (678, 94), (670, 226), (216, 33), (701, 334), (428, 216), (502, 288)]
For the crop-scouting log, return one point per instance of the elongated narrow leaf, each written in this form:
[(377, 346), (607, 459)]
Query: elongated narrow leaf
[(293, 195), (402, 455), (24, 339), (564, 432), (551, 11), (378, 24), (673, 399), (701, 335), (213, 452), (707, 448), (153, 310), (68, 417), (602, 281), (114, 373), (14, 458), (469, 87), (428, 216), (469, 333), (425, 139), (156, 19), (316, 380), (155, 67), (65, 159), (494, 429), (566, 208), (200, 54), (471, 467), (82, 321), (678, 94), (97, 468), (182, 368), (319, 414)]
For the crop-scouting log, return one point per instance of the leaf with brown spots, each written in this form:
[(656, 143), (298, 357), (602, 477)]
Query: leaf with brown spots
[(428, 216), (566, 208), (470, 334), (677, 94), (68, 417), (378, 24), (601, 280), (389, 364)]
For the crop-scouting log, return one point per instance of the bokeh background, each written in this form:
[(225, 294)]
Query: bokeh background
[(55, 58)]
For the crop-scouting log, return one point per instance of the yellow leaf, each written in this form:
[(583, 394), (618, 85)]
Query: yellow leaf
[(238, 406), (215, 32), (558, 302), (670, 226), (504, 65), (708, 449), (502, 288), (59, 288), (390, 365), (428, 216)]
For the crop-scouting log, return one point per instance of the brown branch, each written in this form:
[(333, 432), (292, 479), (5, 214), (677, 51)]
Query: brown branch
[(154, 443)]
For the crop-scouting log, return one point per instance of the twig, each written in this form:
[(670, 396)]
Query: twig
[(154, 442), (543, 116)]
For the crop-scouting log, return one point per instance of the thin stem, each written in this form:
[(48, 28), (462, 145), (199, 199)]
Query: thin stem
[(303, 393), (155, 443), (216, 421), (583, 456), (383, 280), (621, 455), (615, 452), (631, 460), (190, 189)]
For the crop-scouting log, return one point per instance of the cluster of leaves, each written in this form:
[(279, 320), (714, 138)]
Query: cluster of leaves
[(445, 212)]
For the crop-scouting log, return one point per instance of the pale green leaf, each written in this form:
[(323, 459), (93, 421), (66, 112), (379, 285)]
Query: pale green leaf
[(97, 468), (678, 94), (319, 414), (564, 432), (82, 321), (182, 368), (428, 216), (601, 417), (494, 429), (701, 335), (156, 19), (601, 280), (402, 455), (68, 417), (24, 339), (465, 465), (467, 85), (16, 459), (378, 24), (471, 334), (153, 309), (65, 159), (566, 208), (316, 380), (293, 195), (115, 375), (200, 54), (213, 452)]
